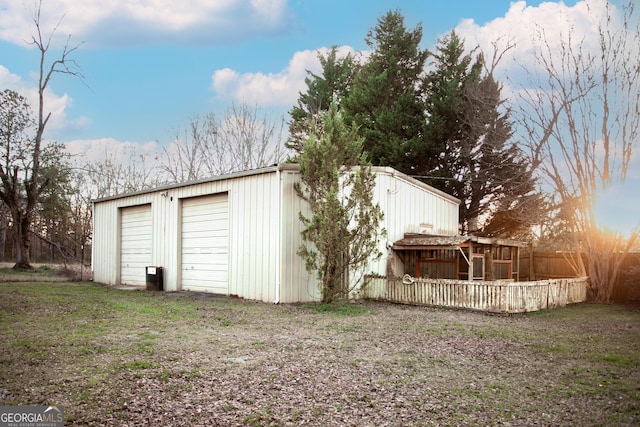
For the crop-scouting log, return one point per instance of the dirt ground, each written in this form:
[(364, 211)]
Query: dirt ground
[(129, 358)]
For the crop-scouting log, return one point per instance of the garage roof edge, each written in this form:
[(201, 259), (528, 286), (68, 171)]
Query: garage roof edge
[(272, 169), (269, 169)]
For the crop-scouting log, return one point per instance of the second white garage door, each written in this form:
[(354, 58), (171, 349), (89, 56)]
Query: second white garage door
[(205, 244)]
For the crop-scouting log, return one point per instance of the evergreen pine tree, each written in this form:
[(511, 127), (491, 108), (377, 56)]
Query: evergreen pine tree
[(478, 161), (342, 231), (332, 85), (385, 101)]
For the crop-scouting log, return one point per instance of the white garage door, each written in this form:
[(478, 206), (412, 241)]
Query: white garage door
[(135, 238), (205, 244)]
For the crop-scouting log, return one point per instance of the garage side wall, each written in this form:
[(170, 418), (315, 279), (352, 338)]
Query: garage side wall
[(408, 206)]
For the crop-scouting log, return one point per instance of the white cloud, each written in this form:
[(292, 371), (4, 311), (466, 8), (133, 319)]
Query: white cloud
[(123, 22), (273, 89), (57, 105), (546, 29), (8, 79), (225, 82), (523, 25)]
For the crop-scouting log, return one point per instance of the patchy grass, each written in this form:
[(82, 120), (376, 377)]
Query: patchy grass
[(42, 270), (115, 357), (42, 273), (339, 308)]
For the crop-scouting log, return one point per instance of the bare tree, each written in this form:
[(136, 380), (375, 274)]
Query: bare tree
[(80, 218), (581, 114), (209, 146), (252, 141), (195, 152), (15, 123), (17, 146), (121, 172), (23, 184)]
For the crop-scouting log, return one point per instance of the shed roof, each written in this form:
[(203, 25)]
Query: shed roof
[(429, 241)]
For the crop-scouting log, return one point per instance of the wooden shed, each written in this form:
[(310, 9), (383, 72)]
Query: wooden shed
[(238, 234), (459, 257)]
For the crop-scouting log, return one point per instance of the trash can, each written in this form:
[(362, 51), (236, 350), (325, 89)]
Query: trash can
[(154, 278)]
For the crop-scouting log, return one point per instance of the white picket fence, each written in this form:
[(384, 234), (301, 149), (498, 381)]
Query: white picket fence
[(496, 297)]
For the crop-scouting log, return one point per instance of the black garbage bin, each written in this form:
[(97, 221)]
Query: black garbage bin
[(154, 278)]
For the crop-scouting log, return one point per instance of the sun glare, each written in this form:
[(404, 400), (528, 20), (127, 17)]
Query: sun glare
[(618, 208)]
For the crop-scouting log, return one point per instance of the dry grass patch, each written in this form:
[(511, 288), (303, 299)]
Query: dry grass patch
[(114, 357)]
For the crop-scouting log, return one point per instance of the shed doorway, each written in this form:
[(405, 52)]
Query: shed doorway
[(205, 244)]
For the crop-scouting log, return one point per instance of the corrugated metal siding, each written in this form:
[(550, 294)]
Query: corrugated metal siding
[(296, 284), (106, 245), (255, 225), (104, 258), (409, 207)]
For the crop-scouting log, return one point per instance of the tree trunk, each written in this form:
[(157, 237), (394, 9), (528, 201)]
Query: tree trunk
[(22, 244), (4, 212), (331, 285)]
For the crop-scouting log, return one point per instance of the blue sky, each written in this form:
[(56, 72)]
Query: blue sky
[(144, 83), (151, 65)]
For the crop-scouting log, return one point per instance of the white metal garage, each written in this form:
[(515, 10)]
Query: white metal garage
[(135, 238), (205, 244), (239, 234)]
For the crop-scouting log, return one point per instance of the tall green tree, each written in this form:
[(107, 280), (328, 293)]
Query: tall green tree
[(385, 99), (478, 161), (52, 224), (331, 85), (342, 231)]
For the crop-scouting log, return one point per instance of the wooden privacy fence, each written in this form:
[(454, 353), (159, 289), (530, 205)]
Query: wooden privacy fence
[(495, 297)]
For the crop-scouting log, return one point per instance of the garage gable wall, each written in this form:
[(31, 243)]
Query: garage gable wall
[(410, 206), (407, 205)]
